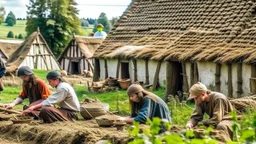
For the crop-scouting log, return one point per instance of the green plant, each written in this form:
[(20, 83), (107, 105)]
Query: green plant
[(152, 135)]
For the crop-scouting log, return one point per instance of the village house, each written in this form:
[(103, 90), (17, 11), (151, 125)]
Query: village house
[(77, 56), (33, 52), (175, 43)]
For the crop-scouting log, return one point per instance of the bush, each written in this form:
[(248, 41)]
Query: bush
[(16, 36), (10, 34), (20, 36)]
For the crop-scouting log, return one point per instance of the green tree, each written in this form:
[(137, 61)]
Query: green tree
[(10, 34), (95, 26), (103, 19), (20, 36), (10, 19), (56, 19), (84, 23), (10, 22), (2, 14), (114, 20)]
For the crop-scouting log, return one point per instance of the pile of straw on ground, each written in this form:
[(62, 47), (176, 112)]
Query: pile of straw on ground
[(240, 104), (62, 132)]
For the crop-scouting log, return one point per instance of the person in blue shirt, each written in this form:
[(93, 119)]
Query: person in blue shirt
[(100, 33), (145, 105), (2, 73)]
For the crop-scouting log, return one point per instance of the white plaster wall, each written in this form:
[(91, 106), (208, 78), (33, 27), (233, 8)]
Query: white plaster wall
[(234, 79), (141, 70), (102, 69), (162, 74), (246, 74), (224, 79), (112, 66), (206, 72), (131, 70), (151, 70), (188, 71)]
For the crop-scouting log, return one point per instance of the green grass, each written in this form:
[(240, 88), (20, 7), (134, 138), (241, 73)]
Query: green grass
[(17, 29), (87, 30)]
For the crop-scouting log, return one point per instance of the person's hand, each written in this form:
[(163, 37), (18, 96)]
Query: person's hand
[(122, 118), (9, 106), (189, 125), (29, 110)]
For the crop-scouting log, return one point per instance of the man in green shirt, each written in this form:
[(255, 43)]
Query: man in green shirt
[(215, 104)]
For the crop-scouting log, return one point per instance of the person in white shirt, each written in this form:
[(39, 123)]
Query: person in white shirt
[(65, 97), (100, 33)]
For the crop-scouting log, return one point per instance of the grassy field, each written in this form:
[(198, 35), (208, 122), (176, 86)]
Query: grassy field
[(20, 26), (17, 29)]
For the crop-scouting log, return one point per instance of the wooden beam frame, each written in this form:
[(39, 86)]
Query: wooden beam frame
[(239, 79), (146, 72), (230, 87), (156, 76), (217, 77)]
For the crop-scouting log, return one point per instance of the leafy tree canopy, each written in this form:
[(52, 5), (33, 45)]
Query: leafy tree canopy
[(56, 19), (10, 19), (2, 14)]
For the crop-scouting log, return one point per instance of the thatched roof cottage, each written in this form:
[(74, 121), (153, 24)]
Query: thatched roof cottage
[(77, 56), (179, 42), (33, 52), (7, 47)]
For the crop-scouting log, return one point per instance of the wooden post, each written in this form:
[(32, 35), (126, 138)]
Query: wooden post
[(106, 68), (253, 79), (135, 69), (239, 79), (195, 73), (191, 74), (169, 81), (96, 72), (156, 77), (217, 77), (147, 73), (230, 88), (118, 68), (185, 79)]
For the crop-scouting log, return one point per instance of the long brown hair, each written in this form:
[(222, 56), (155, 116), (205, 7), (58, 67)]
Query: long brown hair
[(135, 107)]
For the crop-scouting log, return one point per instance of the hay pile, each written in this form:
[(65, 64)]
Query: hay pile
[(240, 104), (62, 132)]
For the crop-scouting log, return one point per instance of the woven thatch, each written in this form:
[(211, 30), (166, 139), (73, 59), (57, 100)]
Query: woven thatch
[(87, 45), (8, 47), (125, 51), (186, 30)]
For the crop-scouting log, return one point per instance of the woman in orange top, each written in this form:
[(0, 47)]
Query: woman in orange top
[(33, 88)]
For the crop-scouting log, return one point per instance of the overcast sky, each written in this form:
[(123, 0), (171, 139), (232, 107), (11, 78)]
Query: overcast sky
[(88, 8)]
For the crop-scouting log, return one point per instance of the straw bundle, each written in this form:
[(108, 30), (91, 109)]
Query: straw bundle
[(244, 103), (107, 120)]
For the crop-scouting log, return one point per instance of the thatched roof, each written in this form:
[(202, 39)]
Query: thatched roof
[(9, 46), (22, 51), (219, 31), (87, 45)]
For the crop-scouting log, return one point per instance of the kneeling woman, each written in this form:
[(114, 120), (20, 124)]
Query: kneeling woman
[(145, 105), (64, 96)]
